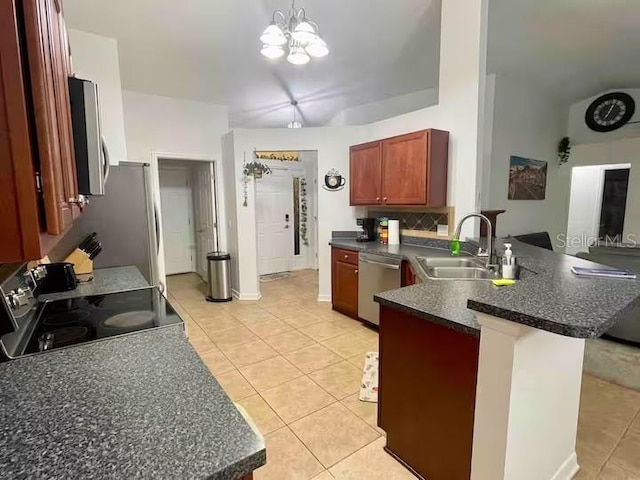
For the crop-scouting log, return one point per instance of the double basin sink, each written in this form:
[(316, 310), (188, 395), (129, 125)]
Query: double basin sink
[(456, 268)]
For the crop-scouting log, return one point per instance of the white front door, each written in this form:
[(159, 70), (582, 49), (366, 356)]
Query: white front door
[(274, 213), (204, 214), (177, 210)]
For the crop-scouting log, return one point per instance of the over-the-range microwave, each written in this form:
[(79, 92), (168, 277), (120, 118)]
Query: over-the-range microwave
[(92, 156)]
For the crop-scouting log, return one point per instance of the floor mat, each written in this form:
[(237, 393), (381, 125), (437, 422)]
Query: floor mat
[(369, 385), (274, 276)]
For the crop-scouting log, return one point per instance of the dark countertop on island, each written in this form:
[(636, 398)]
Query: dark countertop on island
[(105, 280), (141, 405), (548, 296)]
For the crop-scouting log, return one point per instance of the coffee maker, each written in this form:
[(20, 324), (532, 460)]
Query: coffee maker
[(368, 232)]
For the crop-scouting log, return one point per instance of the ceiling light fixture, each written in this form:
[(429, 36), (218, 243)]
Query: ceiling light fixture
[(301, 35), (295, 123)]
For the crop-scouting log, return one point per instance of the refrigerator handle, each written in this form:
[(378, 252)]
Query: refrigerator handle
[(156, 223), (106, 166)]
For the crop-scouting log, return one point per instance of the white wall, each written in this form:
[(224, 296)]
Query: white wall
[(528, 123), (387, 108), (229, 209), (163, 124), (584, 208), (579, 133), (95, 58)]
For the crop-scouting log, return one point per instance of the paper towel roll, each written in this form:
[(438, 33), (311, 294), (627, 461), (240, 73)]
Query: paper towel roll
[(394, 232)]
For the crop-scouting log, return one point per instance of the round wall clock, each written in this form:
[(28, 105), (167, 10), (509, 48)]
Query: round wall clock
[(610, 112)]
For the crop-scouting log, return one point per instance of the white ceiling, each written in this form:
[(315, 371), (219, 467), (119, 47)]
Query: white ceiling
[(573, 48), (208, 50)]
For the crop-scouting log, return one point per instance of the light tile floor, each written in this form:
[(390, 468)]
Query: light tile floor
[(295, 365)]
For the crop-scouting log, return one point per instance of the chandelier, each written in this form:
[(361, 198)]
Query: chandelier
[(299, 34)]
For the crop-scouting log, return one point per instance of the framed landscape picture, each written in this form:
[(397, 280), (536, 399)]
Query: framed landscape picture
[(527, 179)]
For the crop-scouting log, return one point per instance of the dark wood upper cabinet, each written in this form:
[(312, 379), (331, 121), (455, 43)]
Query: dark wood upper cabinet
[(413, 170), (37, 163), (49, 66), (365, 171)]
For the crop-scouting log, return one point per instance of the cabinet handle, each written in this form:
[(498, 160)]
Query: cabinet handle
[(384, 199), (377, 199), (346, 257), (356, 271)]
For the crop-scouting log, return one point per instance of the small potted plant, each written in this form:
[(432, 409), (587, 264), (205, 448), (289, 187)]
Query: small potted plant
[(256, 169), (564, 150)]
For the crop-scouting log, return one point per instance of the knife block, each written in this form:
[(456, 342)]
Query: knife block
[(82, 264)]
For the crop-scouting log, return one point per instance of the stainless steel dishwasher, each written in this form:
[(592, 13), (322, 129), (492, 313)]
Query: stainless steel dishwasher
[(376, 273)]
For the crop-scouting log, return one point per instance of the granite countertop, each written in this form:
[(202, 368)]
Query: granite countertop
[(548, 296), (137, 406), (105, 280)]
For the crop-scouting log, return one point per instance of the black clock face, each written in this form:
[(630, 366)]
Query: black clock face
[(610, 112)]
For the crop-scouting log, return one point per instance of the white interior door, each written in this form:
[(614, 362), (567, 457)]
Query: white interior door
[(274, 213), (177, 229), (204, 214)]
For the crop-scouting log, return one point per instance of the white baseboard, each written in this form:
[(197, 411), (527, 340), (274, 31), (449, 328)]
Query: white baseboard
[(246, 296), (324, 298), (568, 469)]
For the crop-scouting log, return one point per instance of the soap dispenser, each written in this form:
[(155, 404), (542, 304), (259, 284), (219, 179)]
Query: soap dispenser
[(508, 263)]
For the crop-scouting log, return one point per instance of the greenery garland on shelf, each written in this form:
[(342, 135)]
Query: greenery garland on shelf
[(253, 169), (303, 212)]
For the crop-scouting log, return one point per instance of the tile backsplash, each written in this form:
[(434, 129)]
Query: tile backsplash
[(415, 221)]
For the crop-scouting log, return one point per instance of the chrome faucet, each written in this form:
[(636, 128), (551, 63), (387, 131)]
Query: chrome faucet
[(481, 253)]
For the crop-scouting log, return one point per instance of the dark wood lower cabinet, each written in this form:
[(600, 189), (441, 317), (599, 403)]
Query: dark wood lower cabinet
[(247, 477), (428, 377), (344, 281)]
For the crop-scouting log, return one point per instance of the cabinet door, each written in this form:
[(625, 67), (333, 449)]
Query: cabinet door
[(404, 169), (366, 174), (48, 60), (20, 237), (344, 284)]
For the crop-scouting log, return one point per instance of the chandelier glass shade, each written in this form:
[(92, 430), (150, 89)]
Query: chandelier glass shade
[(294, 35)]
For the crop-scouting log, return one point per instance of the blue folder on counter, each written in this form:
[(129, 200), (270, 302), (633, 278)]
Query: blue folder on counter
[(603, 272)]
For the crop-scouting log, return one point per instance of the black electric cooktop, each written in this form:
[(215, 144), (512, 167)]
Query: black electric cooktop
[(61, 323)]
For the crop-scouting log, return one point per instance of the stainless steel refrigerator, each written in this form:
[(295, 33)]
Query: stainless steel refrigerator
[(125, 219)]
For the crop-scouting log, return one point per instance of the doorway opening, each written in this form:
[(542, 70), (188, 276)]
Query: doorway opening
[(597, 205), (287, 215), (189, 214)]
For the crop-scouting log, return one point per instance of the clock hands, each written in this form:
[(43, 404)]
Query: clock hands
[(613, 104)]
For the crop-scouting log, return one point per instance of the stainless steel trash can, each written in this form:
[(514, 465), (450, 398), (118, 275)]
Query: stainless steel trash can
[(219, 277)]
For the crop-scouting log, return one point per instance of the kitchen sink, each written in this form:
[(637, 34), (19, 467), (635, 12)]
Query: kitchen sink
[(460, 273), (427, 262), (456, 268)]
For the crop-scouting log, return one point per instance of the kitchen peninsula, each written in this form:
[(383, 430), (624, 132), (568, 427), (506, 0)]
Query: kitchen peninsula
[(482, 382)]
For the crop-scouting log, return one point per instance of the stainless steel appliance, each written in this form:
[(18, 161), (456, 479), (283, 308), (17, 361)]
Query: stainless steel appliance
[(376, 274), (30, 327), (125, 220), (219, 277), (368, 229), (92, 156)]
